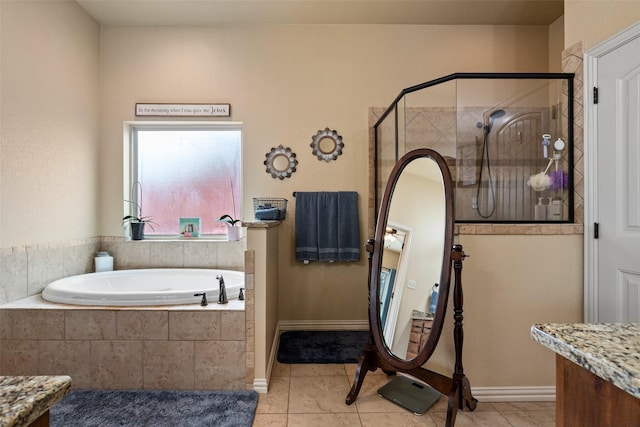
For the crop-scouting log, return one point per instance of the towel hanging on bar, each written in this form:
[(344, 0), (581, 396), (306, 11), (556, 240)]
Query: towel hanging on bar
[(327, 226)]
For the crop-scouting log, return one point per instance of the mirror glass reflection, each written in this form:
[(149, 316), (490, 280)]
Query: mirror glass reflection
[(412, 258), (281, 163)]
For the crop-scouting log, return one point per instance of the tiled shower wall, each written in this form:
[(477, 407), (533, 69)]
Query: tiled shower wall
[(26, 270)]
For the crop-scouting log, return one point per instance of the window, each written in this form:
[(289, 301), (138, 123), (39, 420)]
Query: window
[(185, 170)]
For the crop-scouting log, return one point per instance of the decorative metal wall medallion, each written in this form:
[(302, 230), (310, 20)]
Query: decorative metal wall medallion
[(327, 145), (281, 162)]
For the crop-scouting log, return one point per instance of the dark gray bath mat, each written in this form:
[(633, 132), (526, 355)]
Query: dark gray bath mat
[(321, 346), (109, 408)]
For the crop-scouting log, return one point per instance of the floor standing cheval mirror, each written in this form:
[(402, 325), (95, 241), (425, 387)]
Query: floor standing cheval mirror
[(405, 315)]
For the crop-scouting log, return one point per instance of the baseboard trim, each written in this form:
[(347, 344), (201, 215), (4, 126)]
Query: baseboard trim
[(514, 394), (483, 394), (323, 325), (261, 385)]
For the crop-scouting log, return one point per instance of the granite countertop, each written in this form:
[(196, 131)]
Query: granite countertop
[(25, 398), (420, 315), (608, 350)]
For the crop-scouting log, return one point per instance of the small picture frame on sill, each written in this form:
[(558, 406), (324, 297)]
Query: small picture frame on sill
[(190, 228)]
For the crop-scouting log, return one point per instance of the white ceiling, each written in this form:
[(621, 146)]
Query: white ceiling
[(433, 12)]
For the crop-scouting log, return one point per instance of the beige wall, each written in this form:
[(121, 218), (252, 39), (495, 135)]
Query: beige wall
[(511, 283), (593, 21), (49, 124), (556, 45), (284, 83)]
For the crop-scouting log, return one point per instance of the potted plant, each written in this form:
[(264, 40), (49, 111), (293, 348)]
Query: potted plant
[(233, 231), (136, 221)]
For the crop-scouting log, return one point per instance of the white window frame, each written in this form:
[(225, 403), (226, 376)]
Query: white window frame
[(130, 166)]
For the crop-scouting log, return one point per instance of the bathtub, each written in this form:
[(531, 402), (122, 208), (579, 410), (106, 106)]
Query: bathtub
[(155, 286)]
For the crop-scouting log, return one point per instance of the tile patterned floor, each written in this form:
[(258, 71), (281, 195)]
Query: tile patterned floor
[(313, 395)]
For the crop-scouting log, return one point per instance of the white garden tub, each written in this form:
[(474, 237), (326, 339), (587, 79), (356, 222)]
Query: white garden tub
[(155, 286)]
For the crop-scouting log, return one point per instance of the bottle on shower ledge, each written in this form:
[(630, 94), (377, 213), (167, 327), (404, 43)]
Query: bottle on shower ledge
[(555, 209), (540, 211), (103, 261)]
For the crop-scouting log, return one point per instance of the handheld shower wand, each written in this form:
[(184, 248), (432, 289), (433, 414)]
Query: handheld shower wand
[(485, 153), (492, 117)]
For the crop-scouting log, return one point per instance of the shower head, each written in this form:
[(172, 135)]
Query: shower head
[(495, 115)]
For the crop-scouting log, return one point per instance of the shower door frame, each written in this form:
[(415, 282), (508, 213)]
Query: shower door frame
[(395, 104)]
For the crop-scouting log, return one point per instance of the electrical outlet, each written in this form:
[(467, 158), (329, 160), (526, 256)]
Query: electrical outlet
[(411, 284), (474, 203)]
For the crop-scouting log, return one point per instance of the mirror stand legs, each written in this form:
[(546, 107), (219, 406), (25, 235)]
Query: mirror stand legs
[(461, 392), (457, 387), (369, 361)]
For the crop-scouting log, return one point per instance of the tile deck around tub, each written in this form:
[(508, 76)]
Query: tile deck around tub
[(37, 302)]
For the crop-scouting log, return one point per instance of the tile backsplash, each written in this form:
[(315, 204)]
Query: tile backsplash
[(26, 270)]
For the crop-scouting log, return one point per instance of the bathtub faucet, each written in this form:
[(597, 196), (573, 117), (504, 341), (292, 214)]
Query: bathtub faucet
[(204, 298), (222, 290)]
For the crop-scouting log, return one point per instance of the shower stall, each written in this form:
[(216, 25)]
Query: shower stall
[(507, 137)]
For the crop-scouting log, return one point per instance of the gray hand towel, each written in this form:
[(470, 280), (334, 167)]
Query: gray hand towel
[(306, 226), (328, 207), (327, 226), (348, 226)]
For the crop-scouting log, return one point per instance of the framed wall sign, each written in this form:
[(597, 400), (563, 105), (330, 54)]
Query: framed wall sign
[(184, 110)]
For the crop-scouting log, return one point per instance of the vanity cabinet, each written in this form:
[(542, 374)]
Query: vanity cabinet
[(420, 330), (583, 398)]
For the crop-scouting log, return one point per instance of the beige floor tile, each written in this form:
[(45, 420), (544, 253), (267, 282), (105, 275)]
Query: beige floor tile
[(315, 396), (483, 406), (396, 419), (531, 418), (480, 418), (325, 394), (315, 370), (323, 420), (504, 407), (350, 369), (280, 370), (276, 401), (270, 420)]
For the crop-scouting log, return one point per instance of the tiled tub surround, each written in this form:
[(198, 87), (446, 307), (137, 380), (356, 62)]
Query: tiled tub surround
[(610, 351), (172, 347), (26, 270)]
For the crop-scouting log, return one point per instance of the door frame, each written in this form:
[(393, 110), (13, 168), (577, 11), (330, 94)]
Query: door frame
[(401, 274), (591, 58)]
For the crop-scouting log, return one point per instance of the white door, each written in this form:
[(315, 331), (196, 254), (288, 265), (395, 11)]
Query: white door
[(618, 183)]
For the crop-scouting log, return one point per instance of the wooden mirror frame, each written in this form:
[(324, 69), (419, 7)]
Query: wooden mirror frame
[(376, 354), (445, 269)]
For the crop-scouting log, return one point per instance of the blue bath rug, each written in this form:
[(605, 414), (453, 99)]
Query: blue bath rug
[(321, 346), (157, 408)]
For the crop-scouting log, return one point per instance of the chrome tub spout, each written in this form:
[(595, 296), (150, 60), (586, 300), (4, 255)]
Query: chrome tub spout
[(222, 290)]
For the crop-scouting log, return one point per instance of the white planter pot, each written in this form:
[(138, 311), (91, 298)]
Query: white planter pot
[(233, 233)]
